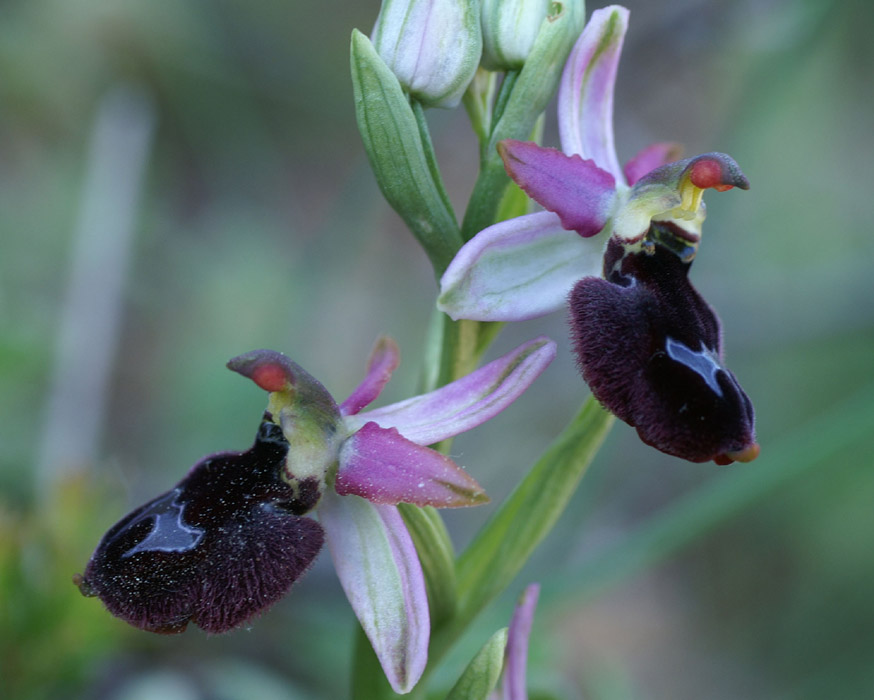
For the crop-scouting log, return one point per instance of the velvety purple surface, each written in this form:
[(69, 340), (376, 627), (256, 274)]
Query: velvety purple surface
[(224, 544), (650, 348)]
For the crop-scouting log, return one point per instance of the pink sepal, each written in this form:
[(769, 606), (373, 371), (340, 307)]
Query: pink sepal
[(381, 465), (577, 190)]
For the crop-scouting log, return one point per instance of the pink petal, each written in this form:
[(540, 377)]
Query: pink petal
[(384, 359), (577, 190), (518, 269), (380, 572), (381, 465), (653, 156), (585, 95), (466, 402), (514, 684)]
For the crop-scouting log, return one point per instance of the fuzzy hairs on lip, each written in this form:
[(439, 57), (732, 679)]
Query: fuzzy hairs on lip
[(650, 348), (227, 542)]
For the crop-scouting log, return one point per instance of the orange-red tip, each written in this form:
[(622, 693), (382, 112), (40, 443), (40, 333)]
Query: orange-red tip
[(270, 377), (747, 454)]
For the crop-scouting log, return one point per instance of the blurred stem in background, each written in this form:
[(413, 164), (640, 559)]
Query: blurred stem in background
[(90, 317), (39, 552)]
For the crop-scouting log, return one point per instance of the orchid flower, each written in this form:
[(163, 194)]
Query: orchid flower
[(617, 244), (231, 537)]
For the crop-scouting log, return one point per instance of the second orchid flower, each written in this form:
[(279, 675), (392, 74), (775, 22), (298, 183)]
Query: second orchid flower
[(616, 245), (231, 538)]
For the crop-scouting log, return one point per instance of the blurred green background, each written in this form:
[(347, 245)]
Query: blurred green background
[(227, 141)]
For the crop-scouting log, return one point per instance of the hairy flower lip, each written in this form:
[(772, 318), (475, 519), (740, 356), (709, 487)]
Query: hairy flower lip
[(650, 348), (223, 545)]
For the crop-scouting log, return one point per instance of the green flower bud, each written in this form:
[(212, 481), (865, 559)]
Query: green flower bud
[(432, 46), (509, 30)]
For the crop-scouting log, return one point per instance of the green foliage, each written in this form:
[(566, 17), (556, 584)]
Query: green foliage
[(399, 155), (483, 671)]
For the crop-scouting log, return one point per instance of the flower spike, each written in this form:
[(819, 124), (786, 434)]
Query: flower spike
[(646, 342)]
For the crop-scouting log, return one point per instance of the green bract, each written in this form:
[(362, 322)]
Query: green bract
[(400, 154), (482, 673)]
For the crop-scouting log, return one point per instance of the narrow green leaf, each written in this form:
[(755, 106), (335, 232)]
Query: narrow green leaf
[(529, 95), (694, 515), (436, 556), (402, 163), (526, 517), (482, 673)]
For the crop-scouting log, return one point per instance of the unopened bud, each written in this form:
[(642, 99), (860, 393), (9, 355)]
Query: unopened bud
[(432, 46), (509, 30)]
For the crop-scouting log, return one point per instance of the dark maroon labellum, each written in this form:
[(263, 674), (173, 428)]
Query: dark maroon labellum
[(225, 543), (650, 348)]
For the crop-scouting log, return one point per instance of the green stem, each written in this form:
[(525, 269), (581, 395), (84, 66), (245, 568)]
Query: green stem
[(504, 96), (459, 353)]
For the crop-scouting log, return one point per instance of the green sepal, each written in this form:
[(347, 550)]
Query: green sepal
[(437, 557), (483, 672), (531, 92), (401, 161)]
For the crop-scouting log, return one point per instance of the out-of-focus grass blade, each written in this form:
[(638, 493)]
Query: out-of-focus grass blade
[(482, 673), (713, 504)]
